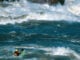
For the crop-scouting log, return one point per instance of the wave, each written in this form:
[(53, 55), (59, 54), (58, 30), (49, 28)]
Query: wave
[(42, 53), (25, 11), (38, 31)]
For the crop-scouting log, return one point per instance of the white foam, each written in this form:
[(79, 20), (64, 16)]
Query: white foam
[(35, 12), (51, 51), (54, 51), (62, 51)]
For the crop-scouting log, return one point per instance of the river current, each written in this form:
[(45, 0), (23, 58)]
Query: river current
[(44, 32)]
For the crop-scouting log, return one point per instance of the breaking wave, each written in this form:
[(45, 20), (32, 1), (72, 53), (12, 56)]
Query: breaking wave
[(18, 12), (40, 53)]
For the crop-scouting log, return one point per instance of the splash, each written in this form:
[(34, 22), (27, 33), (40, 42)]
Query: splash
[(46, 52), (21, 11)]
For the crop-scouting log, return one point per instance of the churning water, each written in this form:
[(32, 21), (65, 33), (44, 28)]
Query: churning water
[(44, 32)]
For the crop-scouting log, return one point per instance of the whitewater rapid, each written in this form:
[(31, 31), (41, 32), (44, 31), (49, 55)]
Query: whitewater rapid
[(48, 52), (19, 12)]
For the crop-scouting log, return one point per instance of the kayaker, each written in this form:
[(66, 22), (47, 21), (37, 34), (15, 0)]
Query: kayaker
[(17, 52)]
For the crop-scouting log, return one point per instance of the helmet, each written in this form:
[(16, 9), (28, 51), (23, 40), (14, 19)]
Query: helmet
[(16, 50)]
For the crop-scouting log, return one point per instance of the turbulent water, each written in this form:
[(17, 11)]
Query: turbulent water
[(44, 32)]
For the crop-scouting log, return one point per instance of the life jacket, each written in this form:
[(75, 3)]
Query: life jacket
[(16, 53)]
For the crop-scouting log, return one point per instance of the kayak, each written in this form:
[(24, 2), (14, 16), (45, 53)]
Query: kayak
[(22, 53)]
